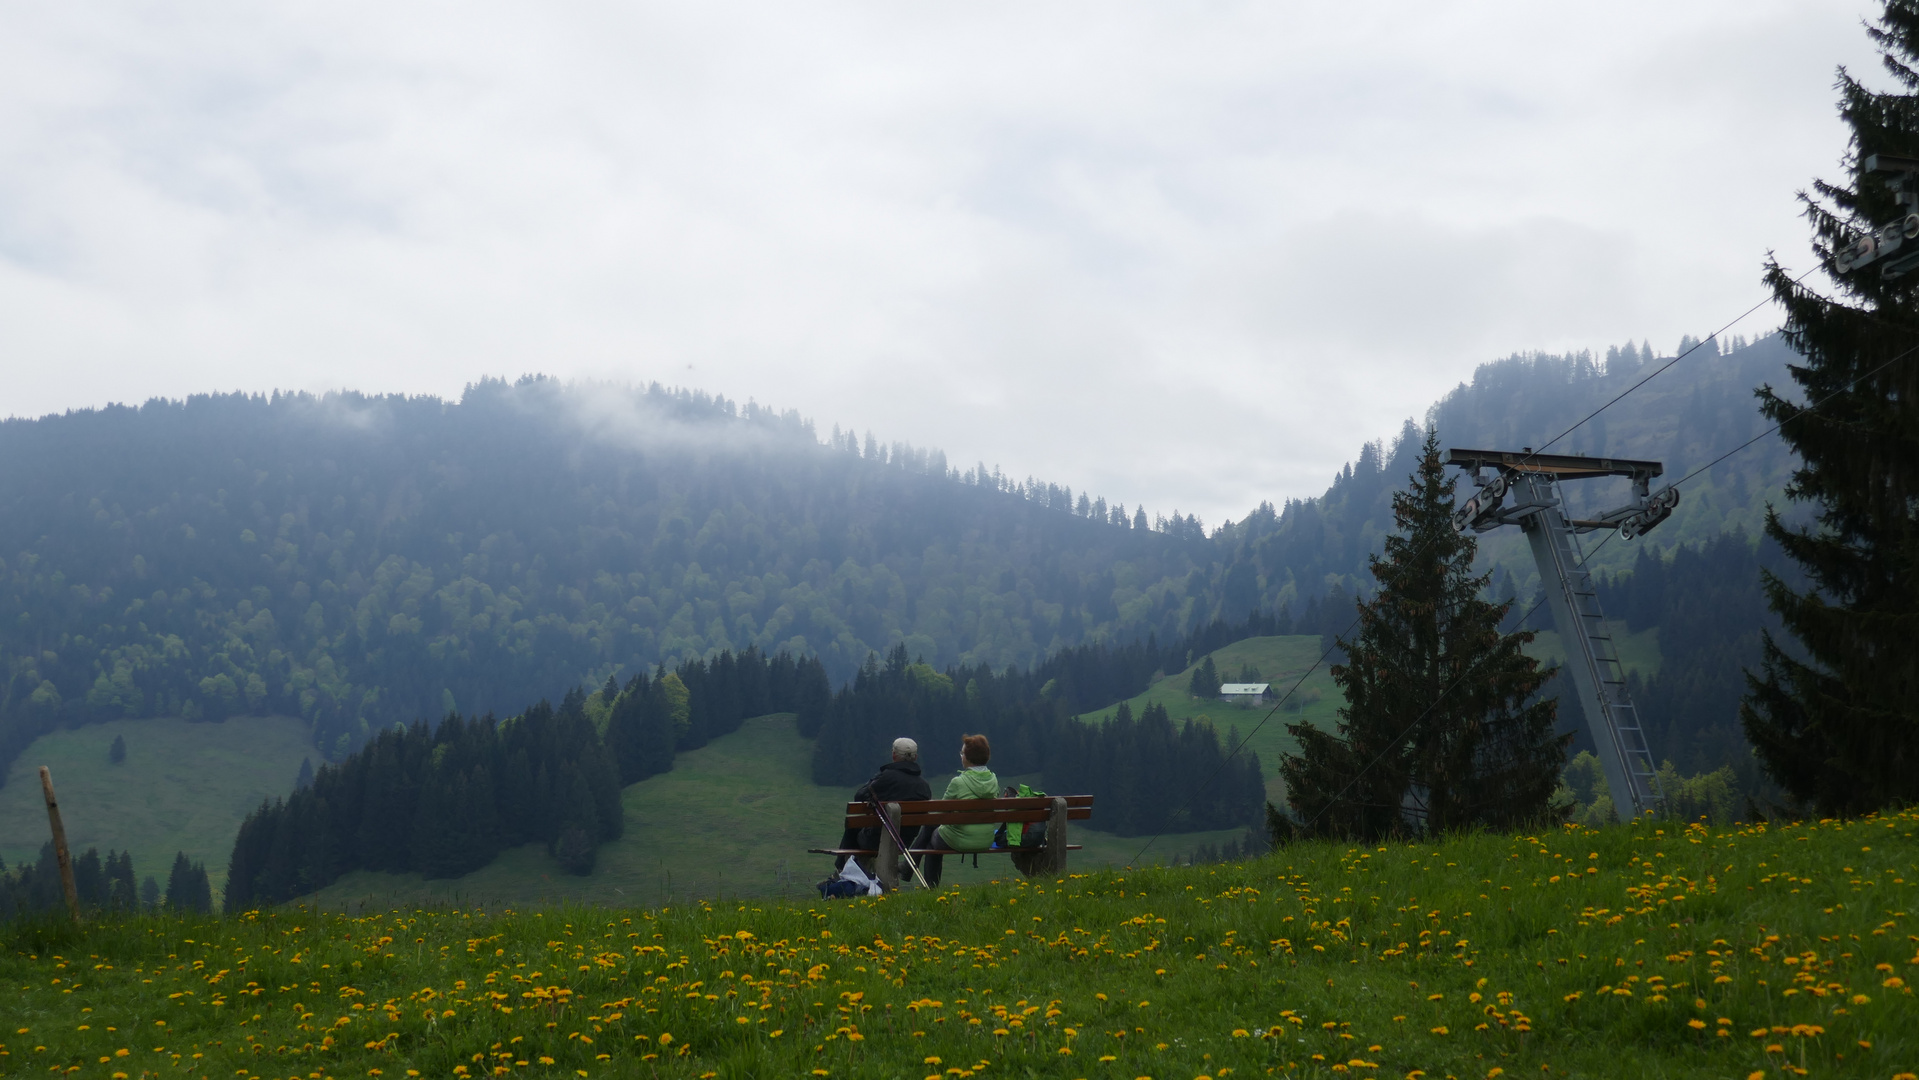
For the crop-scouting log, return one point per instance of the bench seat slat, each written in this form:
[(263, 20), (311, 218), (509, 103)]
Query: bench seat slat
[(917, 852), (1036, 802)]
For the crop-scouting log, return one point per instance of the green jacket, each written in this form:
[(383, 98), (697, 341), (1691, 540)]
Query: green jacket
[(970, 784)]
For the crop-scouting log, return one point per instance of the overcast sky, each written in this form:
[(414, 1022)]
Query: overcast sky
[(1191, 254)]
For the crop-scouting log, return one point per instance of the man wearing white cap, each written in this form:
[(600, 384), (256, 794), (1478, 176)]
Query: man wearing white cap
[(898, 780)]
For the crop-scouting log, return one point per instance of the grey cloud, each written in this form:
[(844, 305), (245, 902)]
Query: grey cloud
[(1186, 256)]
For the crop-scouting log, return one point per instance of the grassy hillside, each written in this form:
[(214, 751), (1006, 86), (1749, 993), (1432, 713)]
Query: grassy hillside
[(1629, 951), (733, 819), (1281, 661), (183, 787)]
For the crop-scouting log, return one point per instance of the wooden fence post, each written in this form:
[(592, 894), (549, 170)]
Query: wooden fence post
[(60, 845)]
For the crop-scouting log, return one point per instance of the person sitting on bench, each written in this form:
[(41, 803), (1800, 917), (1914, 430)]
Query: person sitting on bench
[(898, 780), (975, 781)]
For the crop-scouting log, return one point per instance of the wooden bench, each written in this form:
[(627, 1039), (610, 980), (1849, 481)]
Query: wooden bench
[(910, 817)]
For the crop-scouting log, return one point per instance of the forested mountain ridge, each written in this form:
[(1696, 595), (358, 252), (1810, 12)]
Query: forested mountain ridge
[(361, 561), (365, 561)]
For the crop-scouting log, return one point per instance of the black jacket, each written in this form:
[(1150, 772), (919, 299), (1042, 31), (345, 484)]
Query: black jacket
[(897, 781)]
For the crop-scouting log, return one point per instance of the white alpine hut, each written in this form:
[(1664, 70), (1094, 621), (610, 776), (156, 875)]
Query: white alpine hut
[(1243, 693)]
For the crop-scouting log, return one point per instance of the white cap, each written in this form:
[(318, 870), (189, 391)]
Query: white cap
[(906, 748)]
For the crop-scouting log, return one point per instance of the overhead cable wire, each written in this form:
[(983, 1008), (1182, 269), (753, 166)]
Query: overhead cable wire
[(1661, 370)]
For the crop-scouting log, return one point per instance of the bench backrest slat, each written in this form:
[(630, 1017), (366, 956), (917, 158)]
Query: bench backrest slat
[(972, 811)]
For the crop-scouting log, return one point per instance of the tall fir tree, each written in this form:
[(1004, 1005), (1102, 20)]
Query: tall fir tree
[(187, 886), (1440, 730), (1836, 721)]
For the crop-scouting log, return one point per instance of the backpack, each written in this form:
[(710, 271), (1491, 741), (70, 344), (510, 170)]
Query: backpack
[(1032, 833)]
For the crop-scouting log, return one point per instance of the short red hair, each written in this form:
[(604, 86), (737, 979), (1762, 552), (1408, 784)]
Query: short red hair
[(975, 749)]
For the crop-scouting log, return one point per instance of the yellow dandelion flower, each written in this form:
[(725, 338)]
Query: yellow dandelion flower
[(1441, 1030), (1696, 1024)]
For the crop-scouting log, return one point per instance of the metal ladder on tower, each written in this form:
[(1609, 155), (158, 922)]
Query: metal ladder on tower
[(1592, 657)]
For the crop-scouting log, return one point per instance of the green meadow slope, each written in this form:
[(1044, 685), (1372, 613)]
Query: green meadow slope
[(183, 787), (733, 819), (1282, 661), (1763, 951)]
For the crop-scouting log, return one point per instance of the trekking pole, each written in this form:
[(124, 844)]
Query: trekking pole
[(894, 831)]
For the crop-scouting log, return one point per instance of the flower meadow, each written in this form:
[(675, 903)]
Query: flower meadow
[(1648, 949)]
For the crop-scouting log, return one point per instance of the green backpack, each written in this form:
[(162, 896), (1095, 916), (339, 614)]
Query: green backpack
[(1032, 833)]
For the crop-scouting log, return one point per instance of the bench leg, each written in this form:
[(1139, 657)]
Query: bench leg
[(889, 857), (1051, 859)]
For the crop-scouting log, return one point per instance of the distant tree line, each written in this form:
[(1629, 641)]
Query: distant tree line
[(1146, 773), (101, 885), (444, 800)]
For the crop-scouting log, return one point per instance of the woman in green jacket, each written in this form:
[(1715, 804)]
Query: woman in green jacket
[(975, 781)]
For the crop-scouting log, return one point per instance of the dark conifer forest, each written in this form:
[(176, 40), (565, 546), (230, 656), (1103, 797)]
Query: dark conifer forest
[(445, 799)]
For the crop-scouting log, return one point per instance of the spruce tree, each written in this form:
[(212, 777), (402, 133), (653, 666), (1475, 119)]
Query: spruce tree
[(1836, 721), (1440, 730), (1205, 681), (180, 884)]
